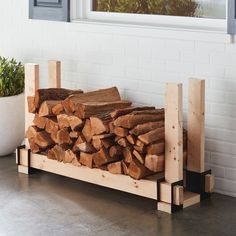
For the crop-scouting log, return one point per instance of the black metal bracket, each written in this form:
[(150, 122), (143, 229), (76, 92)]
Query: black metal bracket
[(195, 182), (174, 208), (30, 169)]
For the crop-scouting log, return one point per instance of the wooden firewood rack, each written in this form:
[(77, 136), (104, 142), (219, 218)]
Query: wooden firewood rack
[(178, 187)]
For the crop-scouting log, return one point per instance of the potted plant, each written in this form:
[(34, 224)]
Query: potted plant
[(11, 105)]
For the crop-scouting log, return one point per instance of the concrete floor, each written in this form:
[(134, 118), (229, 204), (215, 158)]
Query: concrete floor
[(46, 204)]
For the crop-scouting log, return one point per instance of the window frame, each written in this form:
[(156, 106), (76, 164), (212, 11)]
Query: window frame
[(82, 10)]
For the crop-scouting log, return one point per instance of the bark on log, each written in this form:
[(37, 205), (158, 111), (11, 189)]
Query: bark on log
[(43, 140), (89, 109), (46, 108), (42, 95), (107, 142), (146, 127), (120, 112), (156, 148), (155, 163), (103, 95), (115, 168), (153, 136), (141, 149), (130, 121), (103, 136)]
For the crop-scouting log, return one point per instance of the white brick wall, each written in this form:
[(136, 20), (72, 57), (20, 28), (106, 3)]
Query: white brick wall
[(139, 61)]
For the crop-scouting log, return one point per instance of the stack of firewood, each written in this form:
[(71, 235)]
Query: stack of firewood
[(97, 129)]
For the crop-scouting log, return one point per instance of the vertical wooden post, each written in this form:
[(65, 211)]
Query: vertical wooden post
[(54, 74), (196, 124), (31, 85), (173, 133)]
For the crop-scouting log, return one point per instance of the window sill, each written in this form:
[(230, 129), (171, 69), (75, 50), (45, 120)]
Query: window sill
[(159, 31)]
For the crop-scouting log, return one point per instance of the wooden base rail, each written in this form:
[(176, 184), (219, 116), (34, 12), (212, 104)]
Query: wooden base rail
[(175, 188)]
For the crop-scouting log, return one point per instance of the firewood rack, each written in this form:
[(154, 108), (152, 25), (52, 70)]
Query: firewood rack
[(180, 186)]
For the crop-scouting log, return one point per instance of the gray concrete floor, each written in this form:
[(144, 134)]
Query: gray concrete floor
[(46, 204)]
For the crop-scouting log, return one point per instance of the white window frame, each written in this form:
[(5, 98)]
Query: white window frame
[(81, 10)]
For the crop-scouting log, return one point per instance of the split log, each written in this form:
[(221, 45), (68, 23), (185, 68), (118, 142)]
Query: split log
[(51, 125), (138, 171), (43, 140), (138, 156), (31, 104), (121, 112), (74, 134), (153, 136), (89, 109), (32, 131), (70, 157), (111, 127), (63, 121), (107, 142), (115, 168), (103, 95), (155, 163), (40, 122), (131, 139), (121, 132), (86, 159), (63, 137), (140, 149), (75, 123), (100, 124), (128, 155), (123, 142), (156, 148), (33, 146), (84, 147), (103, 136), (97, 143), (54, 136), (131, 120), (46, 108), (115, 151), (57, 109), (56, 153), (87, 131), (102, 157), (146, 127), (125, 168), (42, 95)]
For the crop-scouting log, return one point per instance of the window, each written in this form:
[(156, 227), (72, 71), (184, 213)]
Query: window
[(203, 14)]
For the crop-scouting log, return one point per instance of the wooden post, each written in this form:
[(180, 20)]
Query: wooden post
[(54, 74), (196, 124), (31, 85), (173, 133)]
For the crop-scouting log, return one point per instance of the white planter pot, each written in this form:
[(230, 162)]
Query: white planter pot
[(12, 127)]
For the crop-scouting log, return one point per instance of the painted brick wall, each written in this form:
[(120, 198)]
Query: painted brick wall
[(139, 61)]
